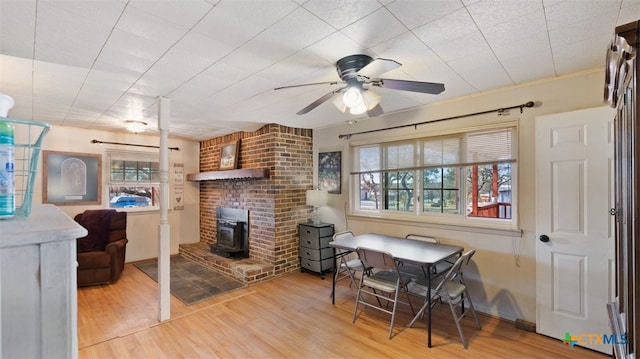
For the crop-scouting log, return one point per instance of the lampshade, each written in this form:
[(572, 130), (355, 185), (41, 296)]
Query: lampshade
[(358, 109), (352, 97), (317, 198), (370, 99), (364, 101)]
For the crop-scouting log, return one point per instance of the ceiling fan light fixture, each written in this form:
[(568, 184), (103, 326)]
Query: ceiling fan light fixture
[(359, 73), (352, 97), (337, 102), (370, 99), (358, 109)]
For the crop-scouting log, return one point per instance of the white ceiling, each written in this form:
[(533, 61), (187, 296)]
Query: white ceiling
[(97, 63)]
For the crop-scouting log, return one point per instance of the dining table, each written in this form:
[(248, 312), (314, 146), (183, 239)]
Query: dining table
[(421, 253)]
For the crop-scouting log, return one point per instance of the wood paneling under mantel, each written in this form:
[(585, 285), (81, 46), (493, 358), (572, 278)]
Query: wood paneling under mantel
[(243, 173)]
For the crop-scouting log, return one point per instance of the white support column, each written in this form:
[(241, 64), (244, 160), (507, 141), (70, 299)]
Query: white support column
[(164, 296)]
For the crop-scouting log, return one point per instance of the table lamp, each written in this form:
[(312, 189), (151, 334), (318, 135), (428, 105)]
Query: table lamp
[(317, 199)]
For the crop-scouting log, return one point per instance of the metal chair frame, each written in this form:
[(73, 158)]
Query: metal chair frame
[(346, 268), (416, 271), (383, 278), (420, 237), (452, 289)]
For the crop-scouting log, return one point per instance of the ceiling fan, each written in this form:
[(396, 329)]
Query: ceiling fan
[(359, 73)]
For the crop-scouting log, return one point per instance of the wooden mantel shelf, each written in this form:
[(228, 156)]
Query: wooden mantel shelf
[(243, 173)]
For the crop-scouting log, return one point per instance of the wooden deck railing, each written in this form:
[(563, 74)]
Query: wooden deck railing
[(494, 210)]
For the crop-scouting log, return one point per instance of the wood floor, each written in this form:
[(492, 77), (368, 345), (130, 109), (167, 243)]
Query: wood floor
[(287, 317)]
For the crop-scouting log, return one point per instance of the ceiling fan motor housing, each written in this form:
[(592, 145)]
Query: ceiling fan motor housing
[(348, 66)]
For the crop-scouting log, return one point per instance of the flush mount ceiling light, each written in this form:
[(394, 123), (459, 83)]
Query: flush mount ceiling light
[(135, 126)]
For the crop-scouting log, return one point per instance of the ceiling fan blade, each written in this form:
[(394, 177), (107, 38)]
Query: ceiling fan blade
[(375, 111), (378, 67), (310, 84), (319, 101), (405, 85)]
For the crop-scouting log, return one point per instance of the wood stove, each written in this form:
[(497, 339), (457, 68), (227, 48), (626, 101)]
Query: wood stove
[(232, 235)]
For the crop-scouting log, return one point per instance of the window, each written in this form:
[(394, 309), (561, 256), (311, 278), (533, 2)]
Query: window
[(398, 186), (440, 192), (465, 175), (134, 180)]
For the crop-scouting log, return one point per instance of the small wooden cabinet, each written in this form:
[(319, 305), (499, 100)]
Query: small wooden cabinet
[(315, 253), (38, 287)]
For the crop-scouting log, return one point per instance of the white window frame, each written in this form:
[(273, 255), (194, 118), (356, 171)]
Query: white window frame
[(417, 214), (154, 204)]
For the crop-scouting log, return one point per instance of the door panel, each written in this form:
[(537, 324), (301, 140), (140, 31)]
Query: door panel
[(568, 291), (568, 194), (574, 282)]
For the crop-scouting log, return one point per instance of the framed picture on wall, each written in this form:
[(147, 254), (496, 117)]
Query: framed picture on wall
[(329, 171), (71, 178), (229, 155)]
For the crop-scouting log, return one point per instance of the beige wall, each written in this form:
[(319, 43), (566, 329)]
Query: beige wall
[(502, 277), (142, 227)]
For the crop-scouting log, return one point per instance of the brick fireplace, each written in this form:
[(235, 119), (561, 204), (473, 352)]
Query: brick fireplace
[(276, 203)]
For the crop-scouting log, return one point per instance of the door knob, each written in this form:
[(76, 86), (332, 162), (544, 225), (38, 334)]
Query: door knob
[(544, 238)]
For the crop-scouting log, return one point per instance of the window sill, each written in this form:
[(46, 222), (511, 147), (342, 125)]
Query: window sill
[(451, 225), (141, 210)]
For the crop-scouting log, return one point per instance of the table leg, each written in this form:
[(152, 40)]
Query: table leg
[(427, 306), (333, 280), (429, 309)]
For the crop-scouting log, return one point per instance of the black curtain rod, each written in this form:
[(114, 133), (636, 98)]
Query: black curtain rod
[(499, 110), (133, 144)]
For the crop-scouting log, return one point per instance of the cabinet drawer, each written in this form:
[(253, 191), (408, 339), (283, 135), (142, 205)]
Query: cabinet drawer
[(315, 243), (314, 266), (316, 254), (308, 232)]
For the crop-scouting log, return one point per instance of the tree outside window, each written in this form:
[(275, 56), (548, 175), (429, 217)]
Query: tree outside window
[(468, 174)]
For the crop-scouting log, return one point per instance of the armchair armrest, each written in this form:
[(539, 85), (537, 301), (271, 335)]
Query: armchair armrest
[(116, 246), (117, 251)]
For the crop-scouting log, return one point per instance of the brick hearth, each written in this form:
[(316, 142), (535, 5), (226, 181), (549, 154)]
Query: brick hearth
[(247, 270)]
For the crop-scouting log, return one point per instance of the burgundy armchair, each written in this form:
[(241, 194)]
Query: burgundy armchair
[(101, 253)]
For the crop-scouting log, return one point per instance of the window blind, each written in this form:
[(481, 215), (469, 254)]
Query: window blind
[(464, 149)]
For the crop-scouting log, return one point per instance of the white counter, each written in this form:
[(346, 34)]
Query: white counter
[(38, 293)]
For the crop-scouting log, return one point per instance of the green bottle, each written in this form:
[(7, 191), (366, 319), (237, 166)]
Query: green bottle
[(7, 179)]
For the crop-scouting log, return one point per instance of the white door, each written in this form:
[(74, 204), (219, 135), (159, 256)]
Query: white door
[(575, 268)]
